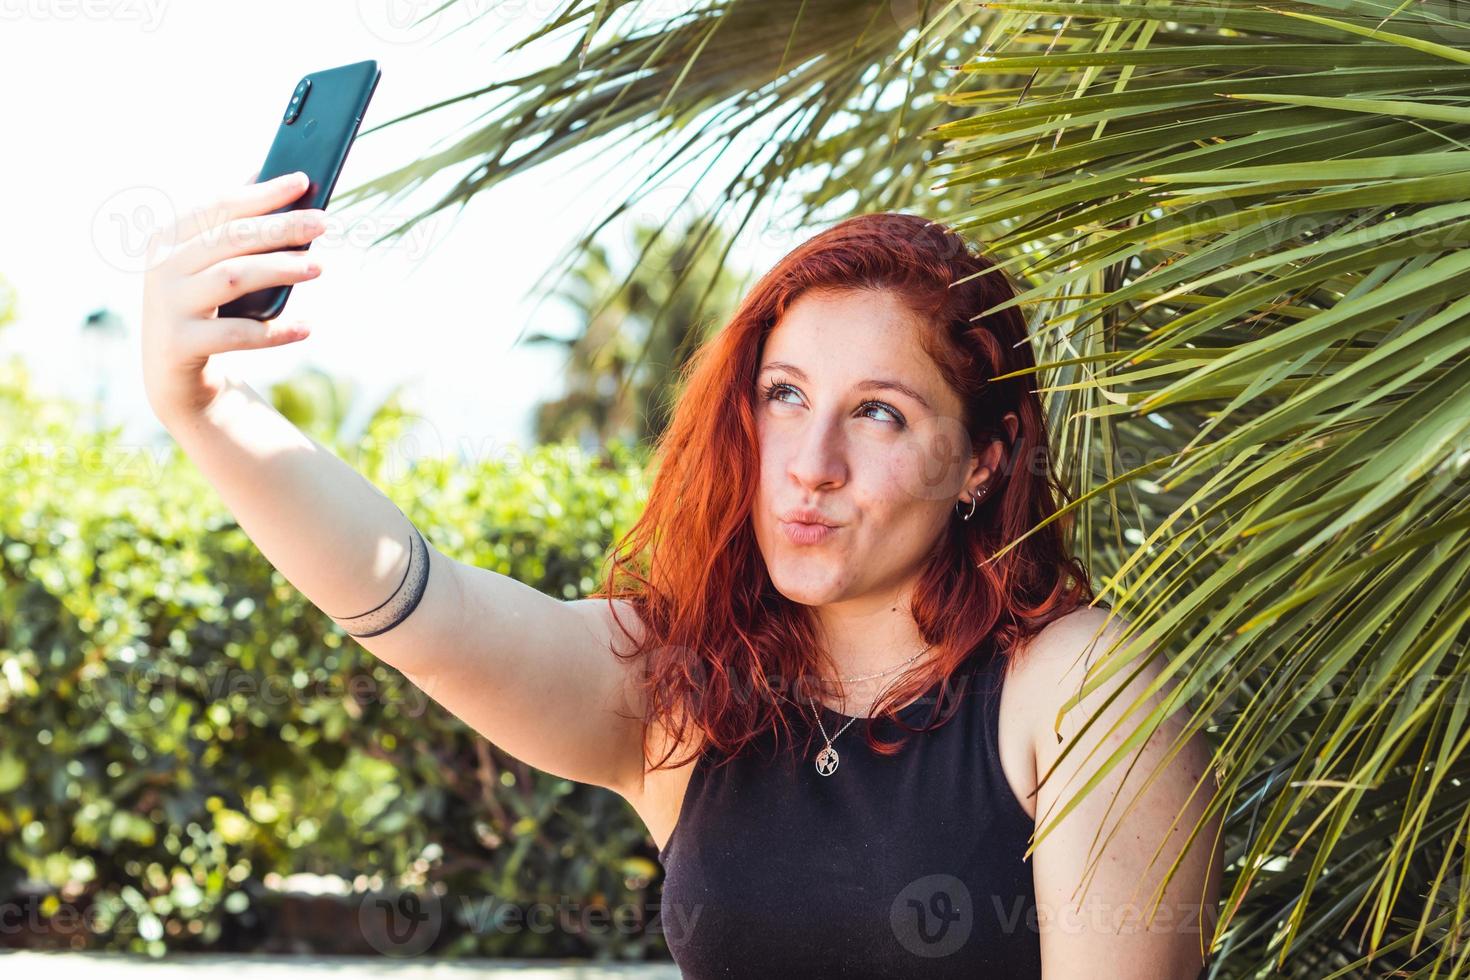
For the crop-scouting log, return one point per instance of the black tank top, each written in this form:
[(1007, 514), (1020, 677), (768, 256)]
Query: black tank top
[(905, 866)]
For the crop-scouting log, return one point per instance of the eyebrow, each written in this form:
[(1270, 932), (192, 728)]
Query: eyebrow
[(887, 384)]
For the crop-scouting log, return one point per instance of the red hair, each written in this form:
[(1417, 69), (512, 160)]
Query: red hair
[(715, 629)]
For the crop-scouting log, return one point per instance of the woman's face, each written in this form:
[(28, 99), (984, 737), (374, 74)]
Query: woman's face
[(855, 423)]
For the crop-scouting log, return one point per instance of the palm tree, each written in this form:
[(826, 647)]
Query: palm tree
[(635, 336), (1240, 230)]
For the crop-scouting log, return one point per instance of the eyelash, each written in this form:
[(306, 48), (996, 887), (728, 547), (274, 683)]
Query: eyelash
[(770, 390)]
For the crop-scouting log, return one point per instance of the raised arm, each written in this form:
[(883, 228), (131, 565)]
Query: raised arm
[(533, 674)]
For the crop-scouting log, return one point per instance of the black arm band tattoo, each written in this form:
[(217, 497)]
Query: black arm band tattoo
[(404, 600)]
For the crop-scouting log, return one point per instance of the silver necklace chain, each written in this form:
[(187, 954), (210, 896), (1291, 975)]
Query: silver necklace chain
[(827, 758), (866, 677)]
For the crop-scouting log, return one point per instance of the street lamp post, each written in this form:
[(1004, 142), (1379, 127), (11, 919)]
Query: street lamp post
[(104, 337)]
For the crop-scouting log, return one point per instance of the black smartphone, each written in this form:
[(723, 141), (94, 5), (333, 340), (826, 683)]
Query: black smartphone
[(320, 123)]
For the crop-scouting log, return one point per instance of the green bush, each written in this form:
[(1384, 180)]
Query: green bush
[(181, 726)]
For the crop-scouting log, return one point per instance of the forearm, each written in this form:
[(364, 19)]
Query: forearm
[(333, 535)]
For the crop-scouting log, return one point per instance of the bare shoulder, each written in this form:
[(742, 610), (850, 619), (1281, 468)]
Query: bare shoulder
[(616, 625), (611, 621), (656, 795), (1106, 785), (1053, 664), (1057, 677)]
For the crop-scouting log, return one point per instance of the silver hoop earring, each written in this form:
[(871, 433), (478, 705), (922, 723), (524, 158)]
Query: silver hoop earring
[(973, 501)]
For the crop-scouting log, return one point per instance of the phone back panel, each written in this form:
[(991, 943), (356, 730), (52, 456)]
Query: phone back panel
[(316, 142)]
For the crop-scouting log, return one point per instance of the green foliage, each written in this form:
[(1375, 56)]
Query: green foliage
[(181, 725)]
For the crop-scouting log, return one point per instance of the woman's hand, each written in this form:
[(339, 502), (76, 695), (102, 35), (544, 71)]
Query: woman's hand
[(212, 255)]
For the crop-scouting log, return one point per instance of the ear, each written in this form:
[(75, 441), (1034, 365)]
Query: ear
[(987, 459), (1012, 423)]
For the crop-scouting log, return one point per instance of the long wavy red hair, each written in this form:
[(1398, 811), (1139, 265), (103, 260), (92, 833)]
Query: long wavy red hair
[(716, 635)]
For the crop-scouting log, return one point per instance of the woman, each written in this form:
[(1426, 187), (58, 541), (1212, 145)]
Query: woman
[(816, 552)]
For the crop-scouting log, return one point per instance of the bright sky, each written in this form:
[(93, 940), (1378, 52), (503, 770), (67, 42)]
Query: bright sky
[(115, 109)]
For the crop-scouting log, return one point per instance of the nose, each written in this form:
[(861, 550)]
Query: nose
[(818, 455)]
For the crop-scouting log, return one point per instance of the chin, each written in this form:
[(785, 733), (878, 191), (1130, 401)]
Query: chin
[(807, 586)]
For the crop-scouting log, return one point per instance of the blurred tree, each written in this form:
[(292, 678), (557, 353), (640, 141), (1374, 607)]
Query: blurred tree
[(623, 367), (322, 405)]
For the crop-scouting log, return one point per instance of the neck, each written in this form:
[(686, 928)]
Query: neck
[(865, 636)]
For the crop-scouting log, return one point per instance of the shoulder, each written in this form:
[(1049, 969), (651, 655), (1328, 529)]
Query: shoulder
[(1057, 669), (1075, 639), (1119, 771), (617, 624), (1069, 636), (604, 615)]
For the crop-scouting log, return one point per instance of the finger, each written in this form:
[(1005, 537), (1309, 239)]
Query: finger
[(206, 338), (238, 202), (244, 236), (233, 278)]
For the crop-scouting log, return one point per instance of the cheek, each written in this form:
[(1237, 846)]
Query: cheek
[(767, 491), (930, 466), (897, 500), (900, 474), (769, 469)]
